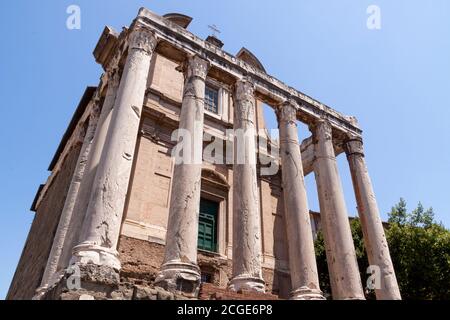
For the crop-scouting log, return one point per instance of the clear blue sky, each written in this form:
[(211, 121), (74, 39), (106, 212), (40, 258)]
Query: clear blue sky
[(394, 80)]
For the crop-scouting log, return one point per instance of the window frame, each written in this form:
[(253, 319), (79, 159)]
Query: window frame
[(216, 89), (222, 99), (214, 248)]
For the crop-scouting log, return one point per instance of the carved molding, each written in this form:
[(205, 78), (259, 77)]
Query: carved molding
[(151, 132), (265, 84), (215, 178)]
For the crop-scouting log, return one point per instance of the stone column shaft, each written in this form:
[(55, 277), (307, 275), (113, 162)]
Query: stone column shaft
[(93, 160), (68, 209), (180, 271), (371, 224), (101, 226), (247, 251), (302, 259), (340, 251)]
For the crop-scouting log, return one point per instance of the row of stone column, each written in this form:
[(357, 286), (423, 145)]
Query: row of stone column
[(91, 219), (180, 271)]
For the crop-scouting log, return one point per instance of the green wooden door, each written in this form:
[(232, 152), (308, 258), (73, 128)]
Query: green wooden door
[(207, 225)]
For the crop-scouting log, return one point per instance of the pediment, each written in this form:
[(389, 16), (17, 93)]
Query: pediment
[(246, 55), (179, 19)]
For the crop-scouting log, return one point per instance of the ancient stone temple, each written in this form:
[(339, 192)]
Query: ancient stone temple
[(120, 217)]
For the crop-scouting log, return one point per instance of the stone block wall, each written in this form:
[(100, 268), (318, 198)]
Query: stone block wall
[(34, 256)]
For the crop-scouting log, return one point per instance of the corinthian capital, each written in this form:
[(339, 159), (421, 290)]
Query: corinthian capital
[(287, 112), (142, 39), (244, 90), (197, 67), (321, 130), (244, 100)]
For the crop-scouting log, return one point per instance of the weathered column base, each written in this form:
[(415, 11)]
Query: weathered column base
[(42, 290), (305, 293), (40, 293), (94, 282), (88, 253), (81, 282), (247, 283), (179, 277)]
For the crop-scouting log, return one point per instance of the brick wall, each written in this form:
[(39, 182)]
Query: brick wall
[(142, 259)]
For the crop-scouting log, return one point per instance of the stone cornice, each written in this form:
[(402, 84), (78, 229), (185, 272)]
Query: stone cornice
[(106, 45), (308, 110)]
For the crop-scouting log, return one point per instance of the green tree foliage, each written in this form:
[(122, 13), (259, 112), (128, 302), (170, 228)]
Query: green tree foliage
[(420, 251), (360, 255)]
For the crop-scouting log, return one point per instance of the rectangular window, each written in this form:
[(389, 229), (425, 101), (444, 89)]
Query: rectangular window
[(207, 225), (212, 99)]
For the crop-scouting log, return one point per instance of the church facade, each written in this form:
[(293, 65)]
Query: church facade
[(167, 182)]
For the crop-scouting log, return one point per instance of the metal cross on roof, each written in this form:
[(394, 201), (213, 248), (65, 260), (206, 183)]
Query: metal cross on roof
[(214, 29)]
